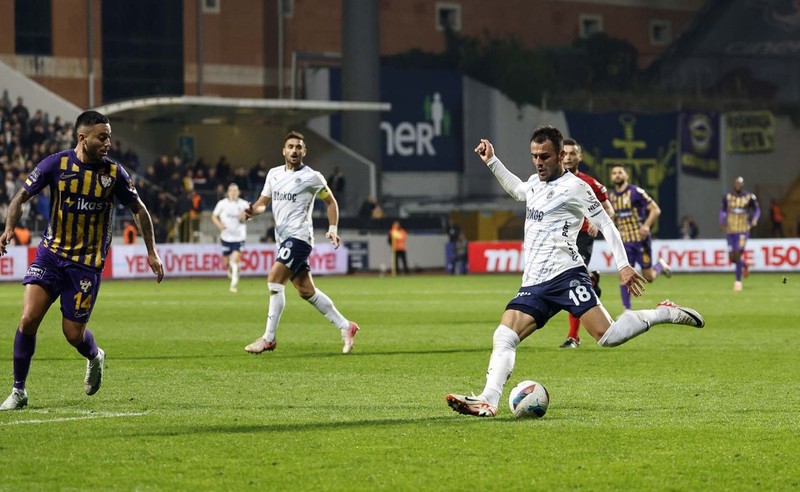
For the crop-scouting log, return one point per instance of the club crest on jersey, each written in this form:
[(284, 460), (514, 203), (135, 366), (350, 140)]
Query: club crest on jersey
[(550, 195), (574, 283), (105, 180), (297, 181), (85, 284)]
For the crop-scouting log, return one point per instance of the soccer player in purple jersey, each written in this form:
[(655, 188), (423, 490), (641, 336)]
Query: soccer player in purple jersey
[(69, 261), (635, 214), (739, 212)]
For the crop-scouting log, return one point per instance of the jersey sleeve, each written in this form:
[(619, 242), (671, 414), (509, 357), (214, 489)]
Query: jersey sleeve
[(124, 190), (599, 190), (267, 190), (508, 180), (319, 185), (41, 175), (217, 209), (643, 196), (589, 201)]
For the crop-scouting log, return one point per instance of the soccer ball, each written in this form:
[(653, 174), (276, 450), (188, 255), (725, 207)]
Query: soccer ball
[(529, 399)]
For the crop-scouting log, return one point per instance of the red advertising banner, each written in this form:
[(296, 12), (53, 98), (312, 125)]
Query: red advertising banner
[(183, 260), (707, 255)]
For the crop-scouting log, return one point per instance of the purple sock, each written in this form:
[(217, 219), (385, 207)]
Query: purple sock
[(626, 296), (24, 347), (658, 268), (87, 347), (739, 268)]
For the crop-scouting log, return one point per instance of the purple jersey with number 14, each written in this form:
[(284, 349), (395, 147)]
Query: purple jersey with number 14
[(82, 205)]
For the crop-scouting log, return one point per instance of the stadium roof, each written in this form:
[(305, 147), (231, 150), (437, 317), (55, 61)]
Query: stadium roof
[(226, 110)]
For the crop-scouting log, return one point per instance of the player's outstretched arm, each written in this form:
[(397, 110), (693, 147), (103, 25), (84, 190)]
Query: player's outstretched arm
[(145, 224), (12, 218)]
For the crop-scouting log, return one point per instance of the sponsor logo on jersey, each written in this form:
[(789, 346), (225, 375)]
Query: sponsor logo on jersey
[(35, 271), (284, 196), (84, 205), (533, 214)]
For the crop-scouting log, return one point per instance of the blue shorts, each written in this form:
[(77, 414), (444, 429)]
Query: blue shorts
[(294, 254), (571, 291), (228, 248), (77, 285), (640, 253)]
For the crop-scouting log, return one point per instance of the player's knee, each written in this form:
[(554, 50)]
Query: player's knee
[(29, 324), (306, 293)]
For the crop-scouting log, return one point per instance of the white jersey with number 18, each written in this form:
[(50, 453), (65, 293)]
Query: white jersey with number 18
[(554, 214)]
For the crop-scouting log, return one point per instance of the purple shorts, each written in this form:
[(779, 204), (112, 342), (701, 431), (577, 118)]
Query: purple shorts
[(77, 286), (640, 253), (571, 291), (736, 242)]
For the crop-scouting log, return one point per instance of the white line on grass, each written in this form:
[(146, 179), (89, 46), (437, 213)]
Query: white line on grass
[(88, 416)]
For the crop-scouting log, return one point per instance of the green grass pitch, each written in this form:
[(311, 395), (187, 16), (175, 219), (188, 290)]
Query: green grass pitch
[(184, 407)]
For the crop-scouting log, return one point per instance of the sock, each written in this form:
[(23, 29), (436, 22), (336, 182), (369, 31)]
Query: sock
[(632, 324), (24, 348), (325, 306), (626, 296), (739, 268), (574, 325), (234, 274), (501, 363), (658, 268), (87, 348), (277, 301)]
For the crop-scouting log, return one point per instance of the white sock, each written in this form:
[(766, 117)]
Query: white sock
[(277, 301), (325, 306), (501, 363), (632, 324), (235, 274)]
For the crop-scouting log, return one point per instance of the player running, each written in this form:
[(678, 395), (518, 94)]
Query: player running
[(291, 189)]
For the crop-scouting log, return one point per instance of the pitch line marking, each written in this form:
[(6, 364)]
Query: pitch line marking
[(88, 416)]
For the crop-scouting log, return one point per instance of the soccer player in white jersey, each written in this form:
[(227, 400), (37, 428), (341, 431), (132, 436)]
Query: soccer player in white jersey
[(291, 189), (227, 216), (555, 277)]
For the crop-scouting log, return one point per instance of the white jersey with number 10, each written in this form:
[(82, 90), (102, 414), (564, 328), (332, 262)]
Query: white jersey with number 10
[(292, 194)]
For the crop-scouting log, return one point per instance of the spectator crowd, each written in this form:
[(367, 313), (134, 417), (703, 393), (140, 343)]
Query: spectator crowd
[(176, 190)]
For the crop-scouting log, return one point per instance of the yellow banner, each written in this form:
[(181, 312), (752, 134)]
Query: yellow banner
[(749, 132)]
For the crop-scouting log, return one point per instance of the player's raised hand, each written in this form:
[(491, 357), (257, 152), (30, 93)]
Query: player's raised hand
[(633, 280), (485, 150)]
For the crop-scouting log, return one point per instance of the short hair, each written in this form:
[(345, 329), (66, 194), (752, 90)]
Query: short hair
[(90, 118), (573, 142), (293, 134), (548, 132)]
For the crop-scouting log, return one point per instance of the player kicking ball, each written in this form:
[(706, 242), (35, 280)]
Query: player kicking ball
[(554, 277)]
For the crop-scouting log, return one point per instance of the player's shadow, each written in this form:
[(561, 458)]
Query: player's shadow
[(295, 427)]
